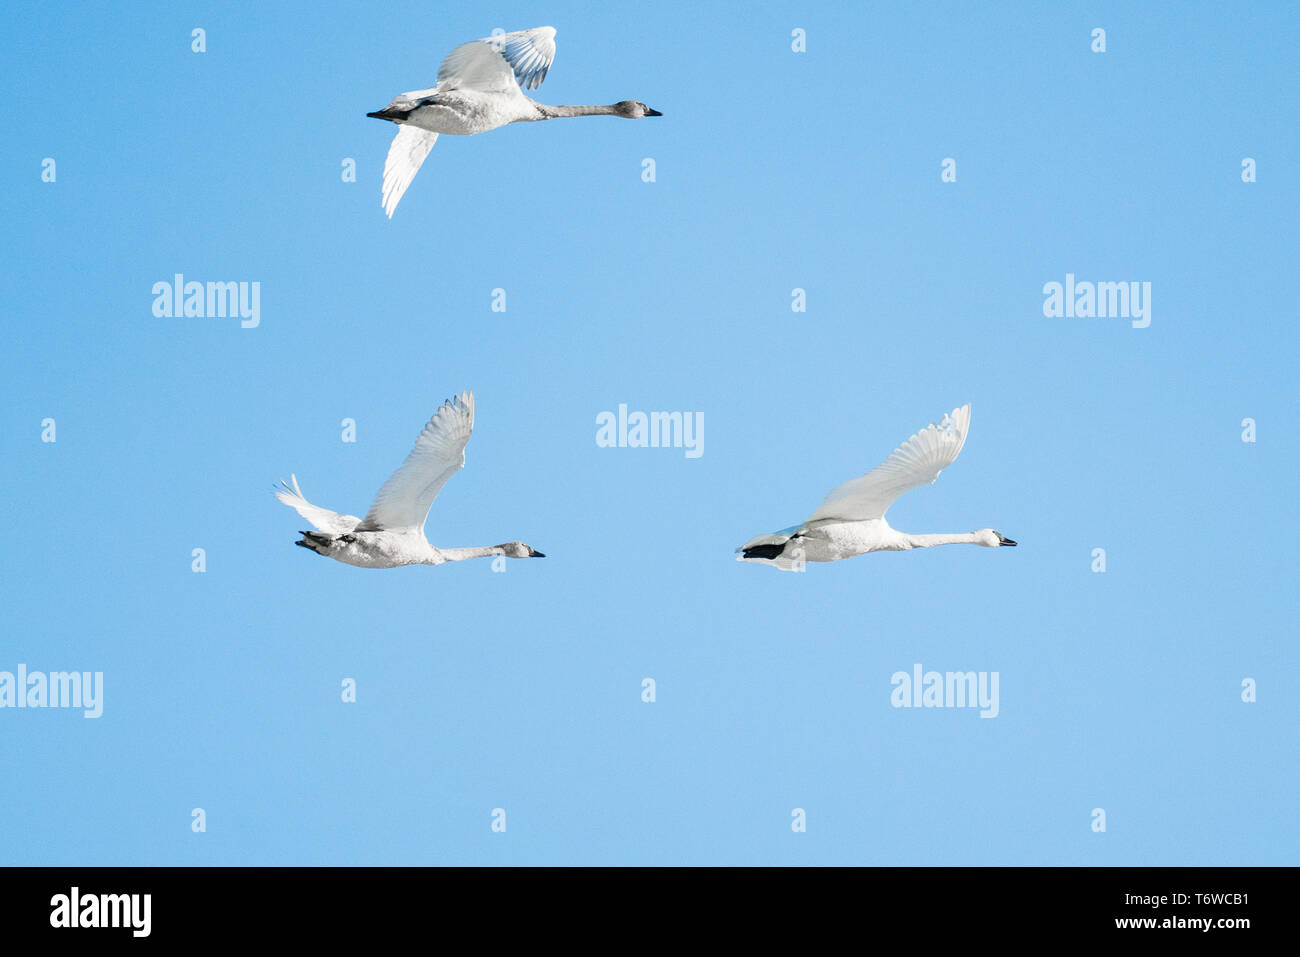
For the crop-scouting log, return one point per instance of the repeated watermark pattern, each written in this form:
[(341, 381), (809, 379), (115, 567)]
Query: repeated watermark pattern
[(651, 430), (56, 689), (238, 300), (947, 689), (1098, 300), (179, 299)]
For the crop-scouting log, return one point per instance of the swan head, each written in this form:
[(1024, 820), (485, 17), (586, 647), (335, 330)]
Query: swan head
[(991, 539), (520, 550), (634, 110)]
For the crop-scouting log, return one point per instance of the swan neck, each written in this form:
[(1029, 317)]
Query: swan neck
[(554, 112), (460, 554), (942, 538)]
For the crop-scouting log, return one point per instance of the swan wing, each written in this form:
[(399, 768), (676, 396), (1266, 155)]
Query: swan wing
[(321, 519), (500, 63), (916, 462), (410, 146), (439, 453)]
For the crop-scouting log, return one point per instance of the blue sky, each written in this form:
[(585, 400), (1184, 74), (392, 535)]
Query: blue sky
[(775, 170)]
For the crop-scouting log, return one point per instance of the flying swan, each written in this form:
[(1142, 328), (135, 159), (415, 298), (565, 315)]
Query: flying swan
[(478, 89), (851, 519), (392, 533)]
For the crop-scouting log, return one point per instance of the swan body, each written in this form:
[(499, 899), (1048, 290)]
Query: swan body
[(392, 533), (851, 519), (480, 87)]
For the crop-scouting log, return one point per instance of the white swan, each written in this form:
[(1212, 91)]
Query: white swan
[(392, 533), (478, 90), (851, 519)]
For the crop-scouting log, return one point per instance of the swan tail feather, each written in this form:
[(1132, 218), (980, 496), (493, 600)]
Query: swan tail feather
[(773, 538), (317, 542)]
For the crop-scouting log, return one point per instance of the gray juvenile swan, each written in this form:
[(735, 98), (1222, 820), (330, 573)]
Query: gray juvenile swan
[(478, 90), (851, 519), (392, 533)]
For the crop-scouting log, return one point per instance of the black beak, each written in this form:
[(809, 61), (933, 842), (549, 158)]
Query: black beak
[(1005, 541), (534, 553), (650, 112)]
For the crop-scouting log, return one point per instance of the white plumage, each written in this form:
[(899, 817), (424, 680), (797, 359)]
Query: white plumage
[(916, 462), (392, 533), (480, 87), (851, 519)]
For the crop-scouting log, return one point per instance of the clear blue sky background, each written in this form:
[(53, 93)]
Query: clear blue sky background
[(521, 690)]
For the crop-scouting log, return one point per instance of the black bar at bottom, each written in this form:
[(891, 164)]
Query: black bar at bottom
[(335, 905)]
